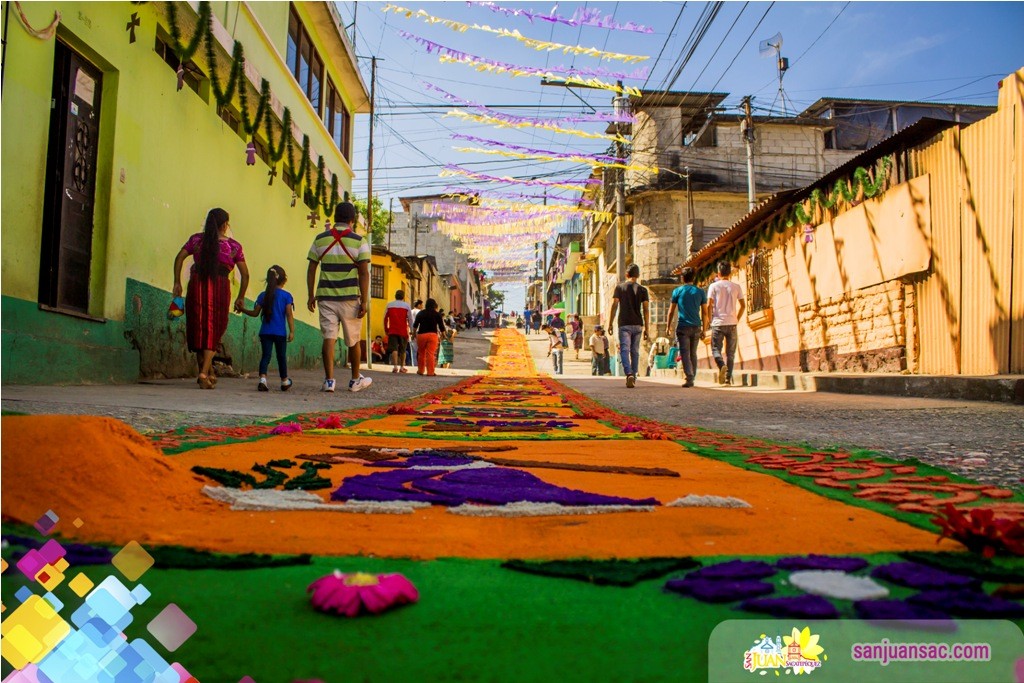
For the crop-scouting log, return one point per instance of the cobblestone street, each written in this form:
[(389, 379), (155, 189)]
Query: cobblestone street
[(980, 440)]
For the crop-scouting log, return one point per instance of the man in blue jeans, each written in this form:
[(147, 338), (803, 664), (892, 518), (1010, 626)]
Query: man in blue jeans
[(723, 298), (692, 304), (632, 302)]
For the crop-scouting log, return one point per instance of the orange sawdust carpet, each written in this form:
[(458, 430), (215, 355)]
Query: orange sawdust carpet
[(100, 470)]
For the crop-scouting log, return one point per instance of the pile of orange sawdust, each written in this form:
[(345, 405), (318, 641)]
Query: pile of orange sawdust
[(124, 489)]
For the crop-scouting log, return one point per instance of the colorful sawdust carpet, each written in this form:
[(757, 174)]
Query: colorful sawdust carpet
[(508, 466)]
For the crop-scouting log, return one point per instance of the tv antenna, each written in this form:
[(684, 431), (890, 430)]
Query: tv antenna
[(770, 46)]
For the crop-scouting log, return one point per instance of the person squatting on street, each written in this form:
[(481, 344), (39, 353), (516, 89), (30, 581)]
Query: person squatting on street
[(397, 323), (342, 293), (555, 348), (428, 327), (632, 302), (659, 347), (600, 362), (723, 297), (276, 306), (208, 300), (691, 302)]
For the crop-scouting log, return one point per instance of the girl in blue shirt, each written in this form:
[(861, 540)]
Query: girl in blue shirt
[(276, 306)]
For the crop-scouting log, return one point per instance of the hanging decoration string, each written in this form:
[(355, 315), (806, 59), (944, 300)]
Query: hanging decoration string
[(582, 17), (539, 45), (598, 117), (452, 170), (42, 34), (504, 122), (467, 194)]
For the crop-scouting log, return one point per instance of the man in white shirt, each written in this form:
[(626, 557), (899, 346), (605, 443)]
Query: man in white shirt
[(723, 298), (417, 306)]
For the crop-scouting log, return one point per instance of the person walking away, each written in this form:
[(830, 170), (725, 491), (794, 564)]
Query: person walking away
[(342, 293), (528, 319), (276, 307), (576, 326), (208, 300), (417, 306), (397, 323), (428, 328), (555, 348), (724, 296), (632, 302), (600, 362), (691, 303), (659, 347)]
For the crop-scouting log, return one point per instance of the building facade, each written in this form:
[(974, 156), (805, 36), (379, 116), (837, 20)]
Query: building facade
[(115, 149)]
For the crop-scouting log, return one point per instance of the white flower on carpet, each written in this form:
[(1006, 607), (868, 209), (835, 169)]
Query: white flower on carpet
[(836, 584)]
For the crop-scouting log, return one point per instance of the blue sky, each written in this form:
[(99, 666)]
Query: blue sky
[(931, 51)]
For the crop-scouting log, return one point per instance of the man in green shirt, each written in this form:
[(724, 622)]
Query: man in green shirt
[(343, 292)]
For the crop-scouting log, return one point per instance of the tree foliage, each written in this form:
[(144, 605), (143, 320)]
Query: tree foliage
[(381, 220)]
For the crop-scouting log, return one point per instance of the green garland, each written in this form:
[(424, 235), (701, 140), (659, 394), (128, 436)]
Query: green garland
[(315, 196), (846, 190)]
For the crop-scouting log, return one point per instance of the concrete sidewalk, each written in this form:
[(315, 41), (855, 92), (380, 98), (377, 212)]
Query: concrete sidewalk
[(996, 388)]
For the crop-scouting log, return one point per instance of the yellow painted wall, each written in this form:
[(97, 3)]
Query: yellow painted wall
[(394, 279)]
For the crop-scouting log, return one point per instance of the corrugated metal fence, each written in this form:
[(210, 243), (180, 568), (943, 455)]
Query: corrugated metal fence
[(971, 306)]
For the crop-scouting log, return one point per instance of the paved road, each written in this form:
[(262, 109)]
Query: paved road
[(983, 441)]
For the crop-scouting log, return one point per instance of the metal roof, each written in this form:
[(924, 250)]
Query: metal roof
[(913, 135), (824, 102)]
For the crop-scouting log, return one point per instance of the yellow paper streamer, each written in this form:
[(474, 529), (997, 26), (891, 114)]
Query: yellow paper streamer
[(501, 123), (540, 45), (447, 173), (555, 78), (571, 158)]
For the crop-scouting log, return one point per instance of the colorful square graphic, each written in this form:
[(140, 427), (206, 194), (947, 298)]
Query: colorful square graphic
[(46, 523), (132, 561), (31, 632), (171, 627), (81, 585)]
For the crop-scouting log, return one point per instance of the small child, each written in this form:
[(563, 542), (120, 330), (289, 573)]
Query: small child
[(446, 351), (276, 306), (600, 363)]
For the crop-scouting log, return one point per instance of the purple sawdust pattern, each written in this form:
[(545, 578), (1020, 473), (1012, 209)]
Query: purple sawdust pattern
[(968, 604), (491, 485), (799, 607), (822, 562), (719, 590), (736, 569), (913, 575)]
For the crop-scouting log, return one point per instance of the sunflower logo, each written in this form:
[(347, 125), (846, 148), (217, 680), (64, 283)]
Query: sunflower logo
[(803, 652)]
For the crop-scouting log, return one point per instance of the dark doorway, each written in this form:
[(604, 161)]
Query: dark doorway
[(70, 183)]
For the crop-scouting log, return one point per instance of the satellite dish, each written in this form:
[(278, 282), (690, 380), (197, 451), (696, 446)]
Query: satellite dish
[(773, 44)]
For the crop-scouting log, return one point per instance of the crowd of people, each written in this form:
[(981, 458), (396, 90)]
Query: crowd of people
[(421, 334)]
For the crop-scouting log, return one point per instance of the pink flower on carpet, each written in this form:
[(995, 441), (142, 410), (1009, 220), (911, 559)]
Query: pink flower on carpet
[(330, 422), (287, 428), (631, 429), (353, 594)]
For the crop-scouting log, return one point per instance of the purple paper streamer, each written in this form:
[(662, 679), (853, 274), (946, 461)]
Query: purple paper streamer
[(519, 181), (596, 117), (456, 190), (603, 158), (581, 17), (568, 71)]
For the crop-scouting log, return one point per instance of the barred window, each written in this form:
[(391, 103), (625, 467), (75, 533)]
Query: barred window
[(759, 281), (376, 282)]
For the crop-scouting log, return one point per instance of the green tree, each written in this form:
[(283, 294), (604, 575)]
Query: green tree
[(496, 298), (381, 220)]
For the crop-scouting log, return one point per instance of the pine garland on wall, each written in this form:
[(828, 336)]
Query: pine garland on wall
[(314, 193)]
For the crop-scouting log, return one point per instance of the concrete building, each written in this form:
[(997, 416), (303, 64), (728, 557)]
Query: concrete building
[(907, 258), (109, 167)]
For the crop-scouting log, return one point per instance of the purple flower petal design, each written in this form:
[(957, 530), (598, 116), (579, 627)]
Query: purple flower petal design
[(502, 485), (799, 607), (391, 486), (899, 610), (914, 575), (719, 590), (968, 604), (822, 562), (735, 569)]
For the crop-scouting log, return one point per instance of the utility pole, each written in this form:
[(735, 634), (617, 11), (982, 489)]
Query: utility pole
[(544, 277), (748, 137), (391, 220), (369, 198), (620, 105), (416, 236)]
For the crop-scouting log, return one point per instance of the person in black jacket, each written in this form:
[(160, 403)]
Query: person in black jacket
[(428, 327)]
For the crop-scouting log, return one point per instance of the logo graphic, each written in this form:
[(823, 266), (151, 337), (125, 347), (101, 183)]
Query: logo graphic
[(797, 653)]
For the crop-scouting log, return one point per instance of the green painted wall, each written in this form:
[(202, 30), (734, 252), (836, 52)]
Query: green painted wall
[(165, 159)]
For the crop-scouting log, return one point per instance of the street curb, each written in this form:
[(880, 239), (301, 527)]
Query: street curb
[(999, 389)]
